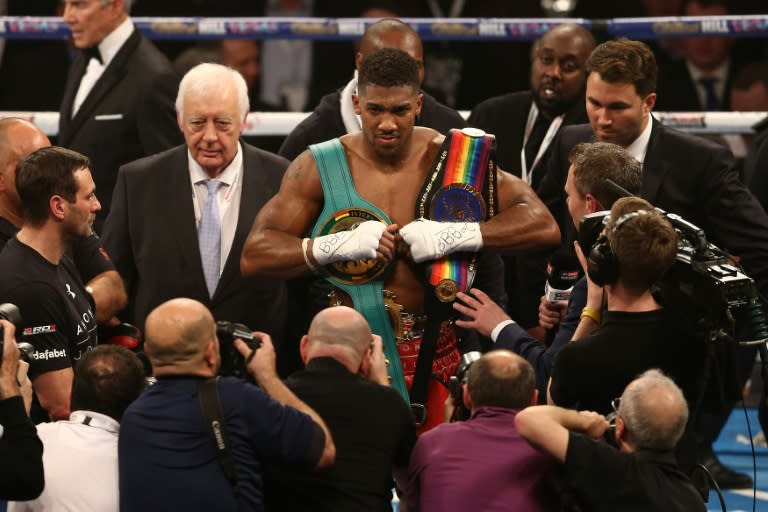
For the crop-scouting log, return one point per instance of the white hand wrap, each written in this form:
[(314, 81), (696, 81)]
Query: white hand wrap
[(430, 240), (354, 244)]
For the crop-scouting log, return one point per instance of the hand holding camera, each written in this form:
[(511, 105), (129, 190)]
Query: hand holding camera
[(259, 355), (9, 385)]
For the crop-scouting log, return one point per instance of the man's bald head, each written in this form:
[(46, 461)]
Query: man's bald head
[(339, 330), (501, 378), (178, 334), (391, 33), (18, 138)]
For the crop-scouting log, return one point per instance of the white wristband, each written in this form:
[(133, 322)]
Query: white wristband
[(430, 240), (304, 244)]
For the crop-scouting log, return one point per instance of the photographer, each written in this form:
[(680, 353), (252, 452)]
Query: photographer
[(164, 433), (641, 474), (345, 381), (635, 333), (450, 460), (587, 192), (21, 476)]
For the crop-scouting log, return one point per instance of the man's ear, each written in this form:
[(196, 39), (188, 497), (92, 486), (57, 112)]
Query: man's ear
[(593, 205), (535, 397), (356, 103), (56, 206), (466, 397), (419, 104), (358, 60), (211, 351), (303, 348), (365, 364), (649, 102)]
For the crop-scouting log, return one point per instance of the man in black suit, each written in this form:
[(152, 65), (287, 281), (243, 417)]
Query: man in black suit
[(526, 122), (165, 236), (118, 101), (701, 81), (682, 174)]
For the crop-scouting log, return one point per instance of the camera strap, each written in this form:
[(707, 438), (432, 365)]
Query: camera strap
[(213, 415)]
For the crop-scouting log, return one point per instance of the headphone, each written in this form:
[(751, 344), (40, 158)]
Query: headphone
[(602, 264)]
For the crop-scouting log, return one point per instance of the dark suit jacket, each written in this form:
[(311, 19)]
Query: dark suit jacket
[(152, 238), (140, 85), (677, 92), (686, 175), (506, 116)]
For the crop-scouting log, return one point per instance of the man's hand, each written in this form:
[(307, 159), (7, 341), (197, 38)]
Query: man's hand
[(9, 385), (377, 371), (261, 361), (430, 240), (551, 313), (594, 292), (484, 314), (25, 385), (369, 239), (594, 425)]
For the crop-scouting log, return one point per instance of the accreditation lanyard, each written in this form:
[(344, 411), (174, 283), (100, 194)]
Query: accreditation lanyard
[(551, 132)]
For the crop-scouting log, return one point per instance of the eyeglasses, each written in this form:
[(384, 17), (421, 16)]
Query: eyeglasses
[(615, 404)]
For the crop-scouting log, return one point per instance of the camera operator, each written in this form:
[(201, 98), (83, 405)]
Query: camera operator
[(635, 333), (587, 192), (106, 380), (450, 460), (641, 474), (21, 473), (345, 381), (164, 434), (59, 205)]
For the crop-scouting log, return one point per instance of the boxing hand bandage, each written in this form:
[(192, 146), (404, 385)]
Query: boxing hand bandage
[(355, 244), (430, 240)]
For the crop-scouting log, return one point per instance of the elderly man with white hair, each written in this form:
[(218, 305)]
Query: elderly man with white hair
[(179, 218)]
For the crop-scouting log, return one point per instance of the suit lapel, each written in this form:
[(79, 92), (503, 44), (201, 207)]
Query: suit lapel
[(180, 212), (249, 207), (654, 167), (76, 73), (114, 73)]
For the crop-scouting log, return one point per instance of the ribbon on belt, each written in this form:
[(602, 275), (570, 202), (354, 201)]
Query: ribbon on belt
[(460, 188), (362, 280)]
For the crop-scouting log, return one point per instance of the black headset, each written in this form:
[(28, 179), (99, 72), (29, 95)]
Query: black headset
[(602, 264)]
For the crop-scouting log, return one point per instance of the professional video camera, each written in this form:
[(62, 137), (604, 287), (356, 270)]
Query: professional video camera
[(232, 362), (11, 313), (704, 286)]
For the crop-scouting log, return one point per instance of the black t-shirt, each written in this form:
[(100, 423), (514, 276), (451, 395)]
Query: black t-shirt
[(373, 431), (57, 312), (603, 478), (89, 256)]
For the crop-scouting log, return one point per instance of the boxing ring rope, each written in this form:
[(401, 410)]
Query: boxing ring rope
[(429, 29)]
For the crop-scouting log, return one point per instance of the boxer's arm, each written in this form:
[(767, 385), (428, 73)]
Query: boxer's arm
[(273, 247), (523, 221)]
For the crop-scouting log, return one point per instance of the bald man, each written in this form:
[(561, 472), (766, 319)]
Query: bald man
[(19, 138), (642, 474), (345, 381), (335, 116), (163, 433), (514, 475)]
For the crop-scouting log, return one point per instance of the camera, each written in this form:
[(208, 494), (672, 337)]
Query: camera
[(703, 286), (456, 383), (11, 313), (232, 362)]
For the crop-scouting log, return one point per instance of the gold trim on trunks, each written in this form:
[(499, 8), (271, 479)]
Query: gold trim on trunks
[(406, 326)]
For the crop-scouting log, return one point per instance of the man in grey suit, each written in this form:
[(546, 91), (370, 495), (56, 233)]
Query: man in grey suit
[(179, 219), (118, 100)]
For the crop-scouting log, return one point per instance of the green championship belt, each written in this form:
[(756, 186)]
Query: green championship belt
[(362, 280)]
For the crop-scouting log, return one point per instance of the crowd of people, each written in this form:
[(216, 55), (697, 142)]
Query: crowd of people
[(261, 330)]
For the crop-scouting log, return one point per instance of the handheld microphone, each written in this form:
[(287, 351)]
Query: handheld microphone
[(562, 273)]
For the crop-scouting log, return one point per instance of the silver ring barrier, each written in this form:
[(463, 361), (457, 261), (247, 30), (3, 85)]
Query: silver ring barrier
[(281, 123)]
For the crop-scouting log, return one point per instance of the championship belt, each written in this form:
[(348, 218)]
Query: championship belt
[(460, 188), (362, 280)]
